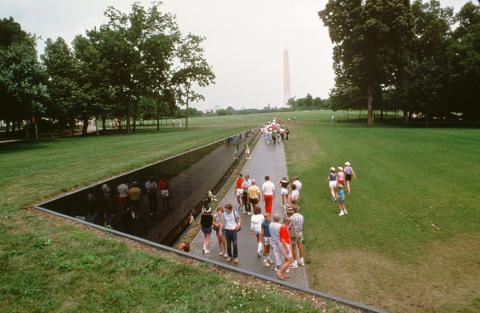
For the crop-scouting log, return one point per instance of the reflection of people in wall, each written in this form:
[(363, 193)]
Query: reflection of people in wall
[(91, 213), (151, 187), (135, 194), (163, 186)]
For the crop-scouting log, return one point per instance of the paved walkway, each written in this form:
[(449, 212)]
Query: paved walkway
[(266, 160)]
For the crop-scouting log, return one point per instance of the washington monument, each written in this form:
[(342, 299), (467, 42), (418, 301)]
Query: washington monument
[(286, 78)]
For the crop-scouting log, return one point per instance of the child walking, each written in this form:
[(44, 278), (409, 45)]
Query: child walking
[(341, 200), (256, 228)]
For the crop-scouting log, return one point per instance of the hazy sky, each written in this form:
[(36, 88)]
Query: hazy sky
[(245, 41)]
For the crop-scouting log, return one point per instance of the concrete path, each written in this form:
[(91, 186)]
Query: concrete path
[(266, 160)]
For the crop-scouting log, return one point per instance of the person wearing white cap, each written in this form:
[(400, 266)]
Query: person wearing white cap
[(332, 182), (348, 175)]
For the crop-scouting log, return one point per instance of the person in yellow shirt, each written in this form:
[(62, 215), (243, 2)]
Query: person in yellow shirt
[(135, 195), (253, 194)]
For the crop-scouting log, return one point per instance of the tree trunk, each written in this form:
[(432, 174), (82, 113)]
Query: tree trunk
[(347, 114), (158, 114), (96, 126), (72, 126), (405, 117), (7, 126), (370, 106), (381, 114), (129, 116), (85, 126), (35, 124), (104, 123), (27, 137)]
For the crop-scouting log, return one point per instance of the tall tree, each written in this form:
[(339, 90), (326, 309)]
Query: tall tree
[(193, 70), (369, 38)]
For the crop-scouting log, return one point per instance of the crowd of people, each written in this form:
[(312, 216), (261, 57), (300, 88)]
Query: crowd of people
[(273, 132), (278, 236), (338, 179)]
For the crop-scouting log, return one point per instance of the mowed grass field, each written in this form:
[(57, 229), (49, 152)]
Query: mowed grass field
[(411, 241), (50, 265)]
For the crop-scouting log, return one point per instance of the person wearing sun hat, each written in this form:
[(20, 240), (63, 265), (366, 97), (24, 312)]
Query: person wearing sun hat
[(206, 221), (340, 176), (332, 182), (349, 173)]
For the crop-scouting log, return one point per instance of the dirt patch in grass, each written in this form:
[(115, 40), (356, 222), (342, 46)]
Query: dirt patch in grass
[(446, 276)]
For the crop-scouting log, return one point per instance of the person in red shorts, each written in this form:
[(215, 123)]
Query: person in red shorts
[(164, 188), (268, 190)]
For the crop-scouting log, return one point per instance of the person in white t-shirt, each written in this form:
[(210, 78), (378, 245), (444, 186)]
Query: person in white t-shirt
[(256, 228), (294, 195), (298, 183), (268, 191)]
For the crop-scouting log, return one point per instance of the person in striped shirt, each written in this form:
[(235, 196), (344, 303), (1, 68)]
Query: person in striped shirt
[(297, 221)]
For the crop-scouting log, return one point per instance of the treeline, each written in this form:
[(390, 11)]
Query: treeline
[(413, 57), (308, 103), (138, 65)]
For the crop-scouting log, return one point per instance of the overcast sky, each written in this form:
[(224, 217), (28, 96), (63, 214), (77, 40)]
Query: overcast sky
[(244, 45)]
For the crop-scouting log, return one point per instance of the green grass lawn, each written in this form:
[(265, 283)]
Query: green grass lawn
[(49, 265), (411, 242)]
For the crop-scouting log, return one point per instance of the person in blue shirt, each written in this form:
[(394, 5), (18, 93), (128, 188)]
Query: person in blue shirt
[(341, 200), (266, 240)]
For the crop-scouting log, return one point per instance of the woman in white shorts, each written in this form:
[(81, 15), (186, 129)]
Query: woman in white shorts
[(332, 182), (256, 227)]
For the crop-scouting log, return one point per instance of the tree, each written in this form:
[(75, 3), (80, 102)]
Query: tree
[(193, 70), (369, 38), (22, 79)]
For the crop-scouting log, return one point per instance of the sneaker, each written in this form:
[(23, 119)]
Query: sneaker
[(346, 212), (294, 265), (220, 253), (270, 261), (301, 262), (287, 271), (341, 214), (228, 259), (259, 253), (235, 260), (206, 251), (249, 213), (275, 269), (266, 263)]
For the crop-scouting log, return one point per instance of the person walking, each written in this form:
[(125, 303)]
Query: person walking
[(349, 172), (284, 190), (247, 152), (206, 221), (218, 226), (294, 196), (296, 181), (266, 239), (253, 194), (246, 203), (297, 221), (340, 176), (341, 200), (239, 190), (285, 250), (274, 229), (232, 222), (151, 187), (332, 182), (268, 191), (274, 136), (256, 228)]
